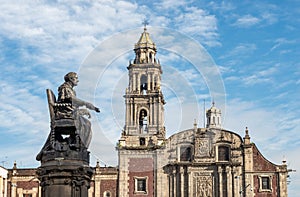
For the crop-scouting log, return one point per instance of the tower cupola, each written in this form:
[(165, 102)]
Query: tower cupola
[(213, 116), (145, 49)]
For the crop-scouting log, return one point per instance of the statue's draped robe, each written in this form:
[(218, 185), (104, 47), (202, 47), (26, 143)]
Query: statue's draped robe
[(83, 126)]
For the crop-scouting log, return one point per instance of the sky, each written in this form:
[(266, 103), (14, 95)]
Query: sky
[(244, 55)]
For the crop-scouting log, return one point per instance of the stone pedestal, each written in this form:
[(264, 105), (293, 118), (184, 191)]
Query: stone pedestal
[(65, 174)]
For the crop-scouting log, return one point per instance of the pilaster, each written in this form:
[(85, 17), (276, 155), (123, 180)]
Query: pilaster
[(220, 171)]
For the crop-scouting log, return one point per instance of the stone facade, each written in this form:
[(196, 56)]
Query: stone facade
[(24, 182), (3, 182), (208, 161), (198, 162)]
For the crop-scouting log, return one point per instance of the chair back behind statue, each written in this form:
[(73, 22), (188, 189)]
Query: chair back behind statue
[(51, 103)]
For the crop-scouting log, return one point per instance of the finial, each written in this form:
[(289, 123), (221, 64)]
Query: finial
[(247, 137), (98, 164), (247, 132), (145, 23), (213, 103), (284, 160), (195, 122), (15, 165)]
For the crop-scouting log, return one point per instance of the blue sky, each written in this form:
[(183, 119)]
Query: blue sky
[(253, 46)]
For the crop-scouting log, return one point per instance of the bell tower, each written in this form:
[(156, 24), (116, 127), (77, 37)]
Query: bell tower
[(144, 101), (141, 146)]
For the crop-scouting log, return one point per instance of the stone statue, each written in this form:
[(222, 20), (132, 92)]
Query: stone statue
[(70, 129), (65, 169)]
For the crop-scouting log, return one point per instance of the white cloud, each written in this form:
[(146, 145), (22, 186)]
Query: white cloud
[(223, 6), (241, 50), (265, 125), (63, 31), (247, 21), (170, 4), (279, 42), (197, 22)]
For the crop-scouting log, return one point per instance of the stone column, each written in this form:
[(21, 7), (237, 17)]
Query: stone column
[(174, 183), (178, 153), (1, 186), (97, 185), (127, 102), (148, 81), (40, 191), (229, 181), (134, 82), (130, 113), (155, 113), (5, 187), (153, 81), (150, 112), (139, 83), (13, 189), (282, 176), (159, 111), (171, 184), (190, 178), (220, 181), (181, 181)]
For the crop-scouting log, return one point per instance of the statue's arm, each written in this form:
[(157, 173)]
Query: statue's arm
[(78, 102)]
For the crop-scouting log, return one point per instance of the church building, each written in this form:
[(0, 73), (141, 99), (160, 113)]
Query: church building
[(197, 162)]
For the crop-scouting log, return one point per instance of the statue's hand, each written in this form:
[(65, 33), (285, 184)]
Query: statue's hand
[(92, 107), (97, 109)]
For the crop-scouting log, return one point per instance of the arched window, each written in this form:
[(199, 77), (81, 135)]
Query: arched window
[(223, 153), (143, 121), (142, 141), (107, 194), (144, 84), (185, 153), (151, 57)]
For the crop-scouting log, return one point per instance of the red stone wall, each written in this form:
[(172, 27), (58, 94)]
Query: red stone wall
[(109, 185), (260, 163), (264, 166), (141, 167), (27, 185)]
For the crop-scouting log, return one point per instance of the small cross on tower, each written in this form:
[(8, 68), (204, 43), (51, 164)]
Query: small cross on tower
[(145, 23)]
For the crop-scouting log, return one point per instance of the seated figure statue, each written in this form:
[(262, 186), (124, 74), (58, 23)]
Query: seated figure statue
[(67, 118)]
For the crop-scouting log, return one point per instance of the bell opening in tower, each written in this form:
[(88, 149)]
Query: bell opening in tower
[(143, 122), (144, 84)]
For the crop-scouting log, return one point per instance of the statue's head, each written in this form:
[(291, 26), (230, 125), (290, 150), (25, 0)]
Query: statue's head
[(72, 77)]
